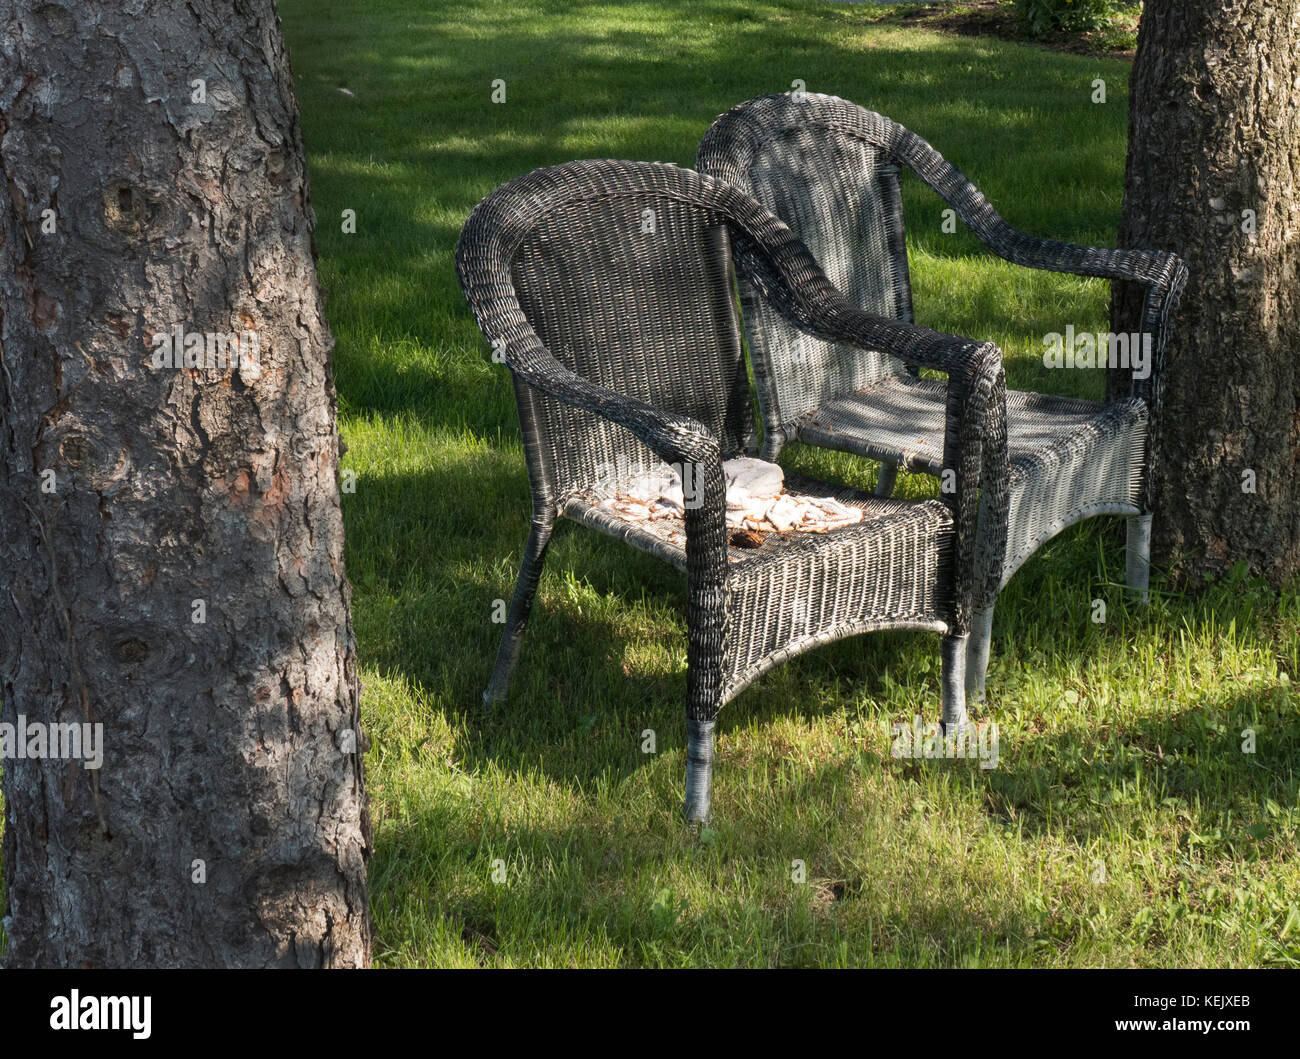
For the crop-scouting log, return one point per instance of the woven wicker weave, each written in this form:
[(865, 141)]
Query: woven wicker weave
[(831, 171), (606, 288)]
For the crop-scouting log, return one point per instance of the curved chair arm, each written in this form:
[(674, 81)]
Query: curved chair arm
[(673, 438), (1162, 273), (974, 443), (977, 490)]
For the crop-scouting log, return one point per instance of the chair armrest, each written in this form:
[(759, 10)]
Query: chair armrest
[(976, 483), (1162, 273), (976, 480), (673, 438)]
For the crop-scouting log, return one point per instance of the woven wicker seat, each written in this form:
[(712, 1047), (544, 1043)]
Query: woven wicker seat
[(797, 590), (606, 289), (831, 171)]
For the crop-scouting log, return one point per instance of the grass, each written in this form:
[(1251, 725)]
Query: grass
[(1123, 826), (1004, 18)]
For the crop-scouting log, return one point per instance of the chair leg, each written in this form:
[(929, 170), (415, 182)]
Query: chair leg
[(888, 478), (954, 683), (977, 653), (1137, 555), (699, 770), (530, 571)]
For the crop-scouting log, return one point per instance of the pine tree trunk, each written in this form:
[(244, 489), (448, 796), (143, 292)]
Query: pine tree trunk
[(171, 561), (1213, 174)]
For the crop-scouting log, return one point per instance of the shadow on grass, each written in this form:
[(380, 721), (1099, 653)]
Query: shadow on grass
[(599, 878), (415, 148)]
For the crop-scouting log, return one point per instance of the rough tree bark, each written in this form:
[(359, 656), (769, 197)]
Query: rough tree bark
[(179, 577), (1213, 174)]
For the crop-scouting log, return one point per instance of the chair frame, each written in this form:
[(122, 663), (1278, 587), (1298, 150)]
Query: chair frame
[(772, 258)]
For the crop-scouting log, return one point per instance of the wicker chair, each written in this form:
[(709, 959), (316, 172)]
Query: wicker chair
[(606, 287), (831, 171)]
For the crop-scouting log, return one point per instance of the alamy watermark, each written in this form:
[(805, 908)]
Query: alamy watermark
[(92, 1012), (219, 350), (37, 740), (929, 741), (1101, 349), (613, 477)]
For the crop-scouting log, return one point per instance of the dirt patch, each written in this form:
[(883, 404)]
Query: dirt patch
[(998, 18)]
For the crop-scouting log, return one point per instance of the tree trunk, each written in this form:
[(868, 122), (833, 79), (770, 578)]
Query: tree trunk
[(1213, 167), (171, 562)]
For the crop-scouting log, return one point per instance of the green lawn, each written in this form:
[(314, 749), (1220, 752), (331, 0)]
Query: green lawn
[(1123, 825)]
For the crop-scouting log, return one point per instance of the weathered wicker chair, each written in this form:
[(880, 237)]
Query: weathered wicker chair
[(606, 288), (831, 171)]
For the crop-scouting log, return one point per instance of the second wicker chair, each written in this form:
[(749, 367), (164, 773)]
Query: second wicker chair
[(831, 170)]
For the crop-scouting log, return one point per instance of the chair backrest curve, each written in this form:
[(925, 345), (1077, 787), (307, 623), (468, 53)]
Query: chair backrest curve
[(831, 171), (622, 270)]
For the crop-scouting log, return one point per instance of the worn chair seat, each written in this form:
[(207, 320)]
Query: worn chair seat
[(1070, 459), (797, 590)]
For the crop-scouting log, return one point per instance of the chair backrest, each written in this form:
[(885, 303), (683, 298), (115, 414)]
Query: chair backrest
[(623, 271), (830, 170)]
